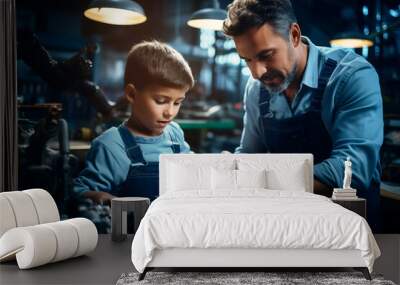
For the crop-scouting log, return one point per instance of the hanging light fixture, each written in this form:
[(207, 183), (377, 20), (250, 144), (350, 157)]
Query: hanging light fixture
[(358, 40), (209, 18), (352, 40), (116, 12)]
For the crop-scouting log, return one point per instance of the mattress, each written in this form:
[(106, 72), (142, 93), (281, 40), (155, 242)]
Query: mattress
[(251, 219)]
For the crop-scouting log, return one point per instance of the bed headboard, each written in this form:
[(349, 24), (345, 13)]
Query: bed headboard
[(269, 161)]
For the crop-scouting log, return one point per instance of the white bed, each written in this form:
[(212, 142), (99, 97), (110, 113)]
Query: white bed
[(247, 210)]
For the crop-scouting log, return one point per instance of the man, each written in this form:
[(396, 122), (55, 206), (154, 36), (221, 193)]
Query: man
[(308, 99)]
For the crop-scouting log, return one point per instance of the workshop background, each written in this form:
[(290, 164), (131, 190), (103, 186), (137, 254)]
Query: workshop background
[(64, 102)]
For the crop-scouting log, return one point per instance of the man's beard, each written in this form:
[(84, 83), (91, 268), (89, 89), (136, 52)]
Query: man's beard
[(287, 80)]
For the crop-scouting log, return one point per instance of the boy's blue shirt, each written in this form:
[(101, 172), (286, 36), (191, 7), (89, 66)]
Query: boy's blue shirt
[(107, 164)]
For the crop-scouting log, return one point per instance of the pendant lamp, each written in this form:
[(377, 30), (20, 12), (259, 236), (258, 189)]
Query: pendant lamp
[(209, 18), (116, 12)]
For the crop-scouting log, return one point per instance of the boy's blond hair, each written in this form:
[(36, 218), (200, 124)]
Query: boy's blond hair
[(153, 62)]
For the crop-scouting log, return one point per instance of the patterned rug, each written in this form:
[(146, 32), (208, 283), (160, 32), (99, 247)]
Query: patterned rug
[(243, 278)]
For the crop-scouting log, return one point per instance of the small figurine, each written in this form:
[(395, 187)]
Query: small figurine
[(346, 192), (347, 174)]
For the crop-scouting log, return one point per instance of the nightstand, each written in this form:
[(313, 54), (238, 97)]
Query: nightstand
[(358, 205), (120, 207)]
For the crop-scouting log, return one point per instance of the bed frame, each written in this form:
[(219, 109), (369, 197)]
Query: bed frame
[(246, 259)]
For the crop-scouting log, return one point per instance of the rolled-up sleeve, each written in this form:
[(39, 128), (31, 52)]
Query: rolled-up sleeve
[(356, 128), (103, 171), (251, 140)]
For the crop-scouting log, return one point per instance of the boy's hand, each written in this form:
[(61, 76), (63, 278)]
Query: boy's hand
[(99, 197)]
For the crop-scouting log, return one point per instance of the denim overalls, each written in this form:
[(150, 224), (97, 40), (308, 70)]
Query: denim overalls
[(306, 133), (143, 177)]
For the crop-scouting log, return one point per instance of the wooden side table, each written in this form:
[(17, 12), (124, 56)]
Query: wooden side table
[(357, 205)]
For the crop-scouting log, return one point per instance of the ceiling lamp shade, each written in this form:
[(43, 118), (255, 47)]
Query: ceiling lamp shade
[(116, 12), (358, 40), (210, 18), (352, 40)]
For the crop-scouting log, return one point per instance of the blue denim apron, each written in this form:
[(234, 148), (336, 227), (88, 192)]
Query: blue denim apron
[(143, 176), (306, 133)]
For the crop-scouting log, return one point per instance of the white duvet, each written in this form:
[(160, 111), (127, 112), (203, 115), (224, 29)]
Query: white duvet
[(253, 218)]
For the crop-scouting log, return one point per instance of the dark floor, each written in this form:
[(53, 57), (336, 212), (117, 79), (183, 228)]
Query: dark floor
[(110, 260)]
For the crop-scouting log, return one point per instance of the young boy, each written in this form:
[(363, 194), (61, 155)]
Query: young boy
[(123, 161)]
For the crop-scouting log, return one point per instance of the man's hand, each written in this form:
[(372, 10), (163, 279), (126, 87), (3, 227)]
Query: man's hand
[(99, 197)]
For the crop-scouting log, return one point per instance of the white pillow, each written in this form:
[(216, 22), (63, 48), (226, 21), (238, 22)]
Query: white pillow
[(223, 179), (293, 180), (251, 178), (283, 174), (182, 177), (227, 179), (191, 174)]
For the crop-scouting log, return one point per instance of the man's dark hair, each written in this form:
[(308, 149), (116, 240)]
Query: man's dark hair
[(155, 63), (246, 14)]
